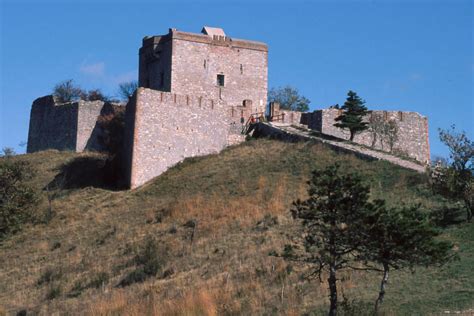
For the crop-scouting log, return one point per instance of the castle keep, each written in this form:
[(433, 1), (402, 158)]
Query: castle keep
[(197, 95)]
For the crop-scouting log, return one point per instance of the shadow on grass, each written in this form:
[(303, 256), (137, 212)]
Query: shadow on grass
[(82, 172)]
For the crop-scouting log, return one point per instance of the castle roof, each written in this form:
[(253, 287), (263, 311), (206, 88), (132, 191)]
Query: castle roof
[(212, 31)]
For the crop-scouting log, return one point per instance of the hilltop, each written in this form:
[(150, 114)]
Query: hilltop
[(213, 221)]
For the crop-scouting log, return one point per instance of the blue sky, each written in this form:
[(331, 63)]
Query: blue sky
[(397, 55)]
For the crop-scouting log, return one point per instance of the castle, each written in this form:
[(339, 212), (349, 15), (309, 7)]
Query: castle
[(196, 94)]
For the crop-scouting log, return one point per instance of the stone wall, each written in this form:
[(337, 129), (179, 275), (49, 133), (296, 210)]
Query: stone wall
[(67, 126), (413, 139), (164, 128), (188, 63)]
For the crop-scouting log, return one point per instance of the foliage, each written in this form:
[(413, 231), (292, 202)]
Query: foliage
[(96, 95), (456, 181), (332, 217), (68, 91), (461, 148), (352, 116), (17, 198), (376, 127), (8, 152), (401, 238), (390, 133), (289, 98), (149, 261), (127, 89)]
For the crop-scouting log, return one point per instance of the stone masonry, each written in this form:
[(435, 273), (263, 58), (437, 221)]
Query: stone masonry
[(413, 137), (168, 128), (192, 64), (66, 126), (196, 93)]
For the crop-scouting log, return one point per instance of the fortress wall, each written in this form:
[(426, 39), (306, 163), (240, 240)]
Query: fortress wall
[(413, 139), (291, 117), (155, 63), (195, 66), (52, 126), (88, 113), (167, 128), (67, 126)]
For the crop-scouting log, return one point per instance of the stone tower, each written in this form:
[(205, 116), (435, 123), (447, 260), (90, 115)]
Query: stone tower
[(209, 64)]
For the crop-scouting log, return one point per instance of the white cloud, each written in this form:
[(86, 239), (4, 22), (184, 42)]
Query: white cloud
[(95, 70), (416, 77)]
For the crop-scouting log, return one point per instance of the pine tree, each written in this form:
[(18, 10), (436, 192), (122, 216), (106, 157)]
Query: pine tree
[(352, 116), (331, 219), (401, 238)]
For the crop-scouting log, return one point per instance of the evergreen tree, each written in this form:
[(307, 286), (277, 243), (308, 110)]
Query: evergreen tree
[(331, 219), (352, 116), (401, 238)]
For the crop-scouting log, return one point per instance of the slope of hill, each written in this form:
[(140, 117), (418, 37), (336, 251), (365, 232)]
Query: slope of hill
[(212, 222)]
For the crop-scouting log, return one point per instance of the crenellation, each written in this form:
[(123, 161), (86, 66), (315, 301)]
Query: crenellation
[(196, 95)]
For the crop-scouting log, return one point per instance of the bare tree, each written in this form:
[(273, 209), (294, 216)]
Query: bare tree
[(390, 133), (127, 89), (376, 127), (67, 91)]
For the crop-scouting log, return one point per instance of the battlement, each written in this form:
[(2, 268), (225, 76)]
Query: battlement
[(220, 40), (164, 128)]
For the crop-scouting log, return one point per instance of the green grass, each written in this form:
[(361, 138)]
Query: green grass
[(240, 201)]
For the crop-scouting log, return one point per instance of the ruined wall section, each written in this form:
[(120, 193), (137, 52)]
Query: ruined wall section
[(87, 128), (413, 137), (52, 126), (197, 60), (167, 128), (67, 126)]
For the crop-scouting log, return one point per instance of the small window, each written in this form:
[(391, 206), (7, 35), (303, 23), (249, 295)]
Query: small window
[(220, 80), (241, 69)]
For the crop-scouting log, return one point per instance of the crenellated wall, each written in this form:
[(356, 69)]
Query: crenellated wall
[(165, 128), (189, 63)]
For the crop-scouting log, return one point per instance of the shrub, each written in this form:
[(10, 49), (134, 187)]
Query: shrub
[(67, 91), (54, 292), (149, 262), (48, 276), (17, 198)]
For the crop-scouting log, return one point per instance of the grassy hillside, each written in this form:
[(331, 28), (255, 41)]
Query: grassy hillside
[(213, 220)]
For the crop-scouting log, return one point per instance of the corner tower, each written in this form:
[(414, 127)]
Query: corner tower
[(209, 64)]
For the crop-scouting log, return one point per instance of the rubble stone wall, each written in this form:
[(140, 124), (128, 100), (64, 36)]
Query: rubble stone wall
[(67, 126), (165, 128), (413, 138)]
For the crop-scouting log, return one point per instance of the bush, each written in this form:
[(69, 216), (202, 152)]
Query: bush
[(48, 276), (17, 198), (54, 292), (96, 95), (68, 91), (149, 262)]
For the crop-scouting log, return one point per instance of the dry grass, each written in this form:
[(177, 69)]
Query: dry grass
[(239, 201)]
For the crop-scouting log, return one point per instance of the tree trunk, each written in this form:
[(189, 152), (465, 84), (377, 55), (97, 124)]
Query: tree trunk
[(374, 140), (352, 136), (333, 290), (382, 287)]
